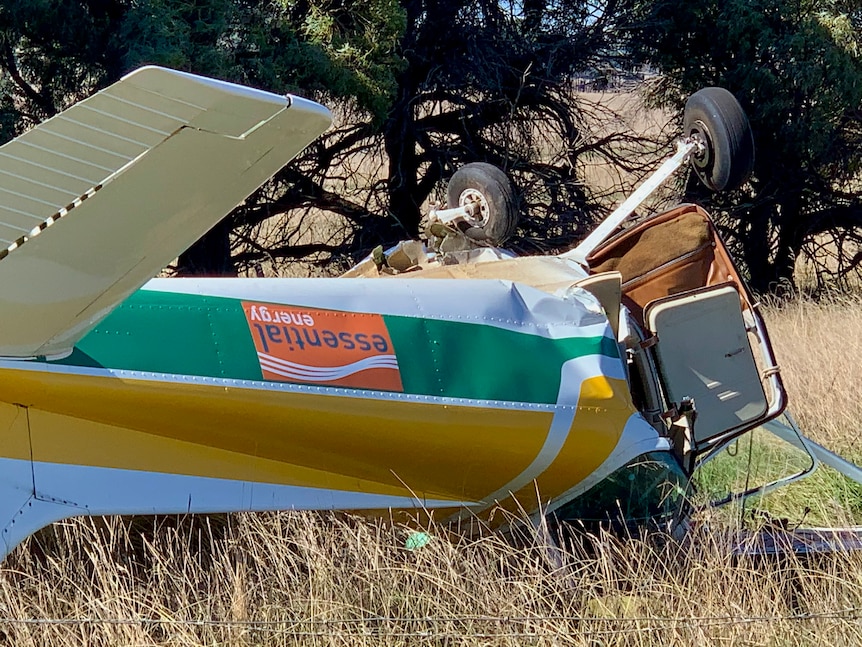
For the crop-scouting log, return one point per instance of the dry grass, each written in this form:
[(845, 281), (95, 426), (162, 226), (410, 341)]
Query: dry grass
[(305, 579), (301, 579), (819, 348)]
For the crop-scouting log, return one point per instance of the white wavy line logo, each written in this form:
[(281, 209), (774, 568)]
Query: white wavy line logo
[(294, 371)]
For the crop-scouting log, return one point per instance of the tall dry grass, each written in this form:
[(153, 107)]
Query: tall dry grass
[(819, 348), (302, 579), (307, 579)]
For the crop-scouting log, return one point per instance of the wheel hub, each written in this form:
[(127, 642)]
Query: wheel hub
[(700, 136), (476, 206)]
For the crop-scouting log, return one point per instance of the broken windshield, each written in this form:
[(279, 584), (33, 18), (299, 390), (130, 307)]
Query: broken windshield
[(650, 489)]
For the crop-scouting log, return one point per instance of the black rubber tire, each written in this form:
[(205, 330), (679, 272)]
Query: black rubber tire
[(496, 188), (715, 115)]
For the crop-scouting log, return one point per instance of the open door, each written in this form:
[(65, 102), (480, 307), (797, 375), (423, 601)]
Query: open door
[(680, 283), (703, 352)]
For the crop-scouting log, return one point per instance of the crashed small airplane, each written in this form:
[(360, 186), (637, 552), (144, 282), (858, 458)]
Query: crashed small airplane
[(451, 376)]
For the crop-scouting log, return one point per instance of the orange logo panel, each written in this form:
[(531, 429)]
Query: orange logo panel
[(324, 347)]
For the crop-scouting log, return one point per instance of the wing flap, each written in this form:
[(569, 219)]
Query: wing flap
[(164, 182)]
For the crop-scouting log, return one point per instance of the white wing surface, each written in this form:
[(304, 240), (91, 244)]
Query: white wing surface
[(96, 200)]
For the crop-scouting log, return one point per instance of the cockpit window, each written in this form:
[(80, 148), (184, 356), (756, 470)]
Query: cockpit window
[(649, 490)]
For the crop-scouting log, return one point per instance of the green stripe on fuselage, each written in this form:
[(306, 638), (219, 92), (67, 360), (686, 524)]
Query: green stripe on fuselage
[(457, 359), (181, 334), (207, 336)]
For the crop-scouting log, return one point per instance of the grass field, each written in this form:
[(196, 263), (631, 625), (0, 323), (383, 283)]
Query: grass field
[(306, 579)]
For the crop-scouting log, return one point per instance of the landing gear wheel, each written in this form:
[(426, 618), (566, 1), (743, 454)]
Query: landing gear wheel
[(490, 193), (714, 117)]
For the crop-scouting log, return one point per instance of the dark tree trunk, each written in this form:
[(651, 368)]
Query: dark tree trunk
[(399, 135), (756, 248), (426, 43), (791, 235), (210, 256)]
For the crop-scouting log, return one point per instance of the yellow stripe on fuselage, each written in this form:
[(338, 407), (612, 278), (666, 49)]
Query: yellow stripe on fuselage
[(361, 444), (583, 453), (14, 432)]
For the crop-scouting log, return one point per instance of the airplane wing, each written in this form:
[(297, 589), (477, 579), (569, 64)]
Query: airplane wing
[(98, 199)]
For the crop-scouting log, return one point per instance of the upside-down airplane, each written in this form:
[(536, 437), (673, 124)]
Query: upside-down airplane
[(451, 376)]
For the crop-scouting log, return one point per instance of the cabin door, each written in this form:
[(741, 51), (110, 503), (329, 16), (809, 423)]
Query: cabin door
[(703, 352)]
